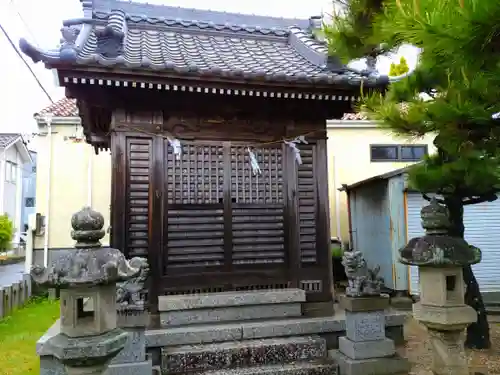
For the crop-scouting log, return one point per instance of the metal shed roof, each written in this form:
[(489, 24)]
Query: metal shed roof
[(370, 180)]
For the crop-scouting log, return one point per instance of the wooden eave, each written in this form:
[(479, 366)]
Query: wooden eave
[(162, 78), (96, 120)]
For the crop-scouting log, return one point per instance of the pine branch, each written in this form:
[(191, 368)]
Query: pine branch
[(481, 199), (428, 199), (354, 31)]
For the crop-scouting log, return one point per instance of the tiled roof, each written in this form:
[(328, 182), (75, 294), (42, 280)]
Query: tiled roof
[(182, 41), (7, 138), (354, 116), (62, 108), (169, 15)]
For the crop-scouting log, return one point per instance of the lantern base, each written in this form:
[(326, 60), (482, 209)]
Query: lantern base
[(85, 355), (448, 353), (450, 318), (94, 370)]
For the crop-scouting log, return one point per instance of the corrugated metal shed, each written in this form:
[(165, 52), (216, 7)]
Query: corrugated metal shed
[(370, 225), (377, 225), (482, 229), (384, 215)]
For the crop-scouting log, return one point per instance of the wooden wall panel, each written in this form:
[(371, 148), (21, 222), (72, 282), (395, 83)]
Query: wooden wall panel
[(221, 226), (307, 205), (138, 188)]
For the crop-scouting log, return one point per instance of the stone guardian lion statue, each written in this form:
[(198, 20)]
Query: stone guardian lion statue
[(362, 281)]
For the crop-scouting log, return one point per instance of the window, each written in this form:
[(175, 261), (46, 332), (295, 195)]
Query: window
[(10, 172), (413, 153), (384, 153), (29, 202), (397, 152)]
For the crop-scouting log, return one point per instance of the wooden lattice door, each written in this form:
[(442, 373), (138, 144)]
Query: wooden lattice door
[(258, 236), (223, 224), (194, 215), (207, 223)]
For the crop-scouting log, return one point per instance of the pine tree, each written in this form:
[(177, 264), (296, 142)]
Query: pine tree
[(458, 71), (399, 69)]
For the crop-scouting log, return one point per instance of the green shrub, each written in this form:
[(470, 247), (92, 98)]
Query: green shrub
[(6, 232), (337, 250)]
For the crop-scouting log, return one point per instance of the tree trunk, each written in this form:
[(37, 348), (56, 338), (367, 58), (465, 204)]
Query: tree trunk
[(478, 333)]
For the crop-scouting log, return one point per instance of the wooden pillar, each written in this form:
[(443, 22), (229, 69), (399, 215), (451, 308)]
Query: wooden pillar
[(292, 241), (118, 179), (156, 221), (323, 218), (228, 213)]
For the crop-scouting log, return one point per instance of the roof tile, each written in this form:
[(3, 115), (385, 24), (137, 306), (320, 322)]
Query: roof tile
[(354, 117), (221, 54), (7, 138), (62, 108), (169, 15), (197, 42)]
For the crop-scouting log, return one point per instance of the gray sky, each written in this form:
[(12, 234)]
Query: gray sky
[(21, 96)]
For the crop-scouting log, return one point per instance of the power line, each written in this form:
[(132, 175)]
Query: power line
[(23, 21), (25, 62)]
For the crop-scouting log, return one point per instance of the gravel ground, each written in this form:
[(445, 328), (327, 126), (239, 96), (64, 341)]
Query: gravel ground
[(417, 350)]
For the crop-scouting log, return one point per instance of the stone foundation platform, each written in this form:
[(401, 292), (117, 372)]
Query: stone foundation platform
[(329, 327), (305, 368), (178, 310), (369, 366), (239, 354), (286, 343)]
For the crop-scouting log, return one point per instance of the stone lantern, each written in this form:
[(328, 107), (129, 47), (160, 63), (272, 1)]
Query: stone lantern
[(442, 309), (89, 338)]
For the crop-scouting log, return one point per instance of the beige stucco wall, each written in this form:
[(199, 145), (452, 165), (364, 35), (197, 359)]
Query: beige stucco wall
[(349, 162), (69, 182)]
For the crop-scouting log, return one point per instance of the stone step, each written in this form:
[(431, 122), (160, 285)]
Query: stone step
[(238, 354), (212, 333), (493, 309), (229, 314), (230, 299), (299, 368), (491, 302), (181, 310)]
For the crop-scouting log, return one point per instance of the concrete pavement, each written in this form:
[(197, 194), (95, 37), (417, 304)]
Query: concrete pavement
[(11, 273)]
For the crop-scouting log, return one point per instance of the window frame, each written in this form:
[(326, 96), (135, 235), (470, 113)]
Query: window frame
[(398, 147), (31, 199), (372, 146), (414, 147), (10, 172)]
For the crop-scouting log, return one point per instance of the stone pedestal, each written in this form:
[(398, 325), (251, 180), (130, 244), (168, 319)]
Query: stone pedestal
[(132, 359), (365, 350), (448, 352), (98, 370), (445, 322)]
